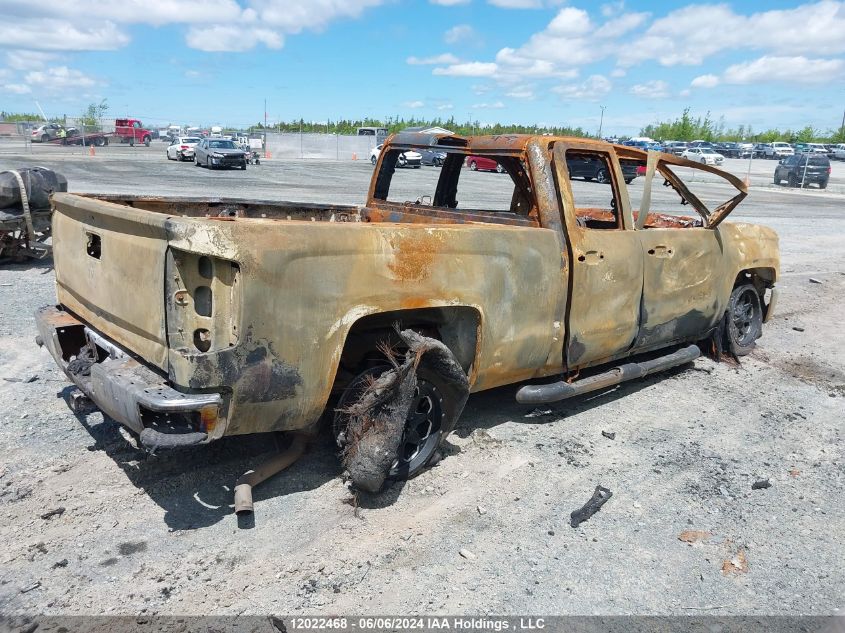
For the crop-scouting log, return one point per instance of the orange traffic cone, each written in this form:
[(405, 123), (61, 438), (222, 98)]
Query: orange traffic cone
[(91, 150), (268, 155), (354, 156)]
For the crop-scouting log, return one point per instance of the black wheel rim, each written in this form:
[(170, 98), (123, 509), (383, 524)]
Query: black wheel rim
[(422, 430), (744, 317)]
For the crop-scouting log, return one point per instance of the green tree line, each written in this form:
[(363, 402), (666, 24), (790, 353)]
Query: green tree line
[(687, 128), (350, 126)]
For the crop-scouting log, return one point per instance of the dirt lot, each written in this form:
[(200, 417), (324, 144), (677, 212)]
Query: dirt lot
[(142, 535)]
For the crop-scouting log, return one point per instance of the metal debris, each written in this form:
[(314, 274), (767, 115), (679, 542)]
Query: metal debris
[(761, 484), (609, 435), (53, 513), (599, 498)]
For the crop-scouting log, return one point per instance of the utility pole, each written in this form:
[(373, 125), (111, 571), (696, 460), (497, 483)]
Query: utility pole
[(601, 119), (265, 126), (842, 127)]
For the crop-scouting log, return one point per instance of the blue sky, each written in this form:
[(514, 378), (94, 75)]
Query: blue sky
[(764, 64)]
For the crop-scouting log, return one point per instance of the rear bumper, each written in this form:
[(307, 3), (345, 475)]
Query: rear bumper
[(125, 389)]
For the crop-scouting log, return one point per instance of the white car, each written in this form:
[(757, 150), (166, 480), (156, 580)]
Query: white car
[(779, 150), (182, 148), (406, 159), (839, 151), (703, 155)]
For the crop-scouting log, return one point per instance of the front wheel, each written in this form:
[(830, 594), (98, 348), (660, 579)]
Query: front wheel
[(373, 160), (745, 319), (793, 180), (500, 169), (473, 166), (703, 161)]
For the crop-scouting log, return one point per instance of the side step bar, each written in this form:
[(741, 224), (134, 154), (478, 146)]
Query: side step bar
[(541, 394)]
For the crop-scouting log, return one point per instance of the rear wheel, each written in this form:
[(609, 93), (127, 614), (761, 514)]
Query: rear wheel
[(823, 184), (473, 166), (500, 169), (373, 160), (425, 425), (745, 319), (44, 138), (601, 176)]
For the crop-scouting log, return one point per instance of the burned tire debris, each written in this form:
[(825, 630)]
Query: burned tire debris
[(392, 419)]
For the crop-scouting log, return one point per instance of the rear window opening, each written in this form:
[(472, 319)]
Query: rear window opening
[(496, 185)]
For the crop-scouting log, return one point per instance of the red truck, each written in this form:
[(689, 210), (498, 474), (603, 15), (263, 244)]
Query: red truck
[(132, 131)]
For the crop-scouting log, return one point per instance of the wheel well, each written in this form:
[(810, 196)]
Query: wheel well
[(457, 327), (762, 278)]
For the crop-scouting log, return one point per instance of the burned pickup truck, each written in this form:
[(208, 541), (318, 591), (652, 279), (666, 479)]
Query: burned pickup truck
[(190, 319)]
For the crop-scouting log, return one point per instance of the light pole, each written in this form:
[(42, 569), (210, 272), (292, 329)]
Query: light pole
[(601, 119)]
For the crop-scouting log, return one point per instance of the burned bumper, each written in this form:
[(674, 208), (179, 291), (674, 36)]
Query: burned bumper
[(125, 389)]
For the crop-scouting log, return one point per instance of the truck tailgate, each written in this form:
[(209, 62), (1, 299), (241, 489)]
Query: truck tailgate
[(110, 262)]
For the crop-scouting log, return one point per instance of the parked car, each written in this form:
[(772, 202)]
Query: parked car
[(218, 152), (703, 155), (431, 156), (592, 168), (46, 132), (747, 150), (482, 163), (182, 148), (810, 148), (676, 147), (796, 169), (707, 144), (779, 150), (730, 149), (760, 149), (405, 159), (839, 151)]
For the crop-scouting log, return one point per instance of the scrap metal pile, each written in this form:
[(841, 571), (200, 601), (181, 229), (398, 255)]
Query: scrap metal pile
[(25, 212)]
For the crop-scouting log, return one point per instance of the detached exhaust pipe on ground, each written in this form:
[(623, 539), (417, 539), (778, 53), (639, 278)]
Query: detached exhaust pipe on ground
[(274, 465)]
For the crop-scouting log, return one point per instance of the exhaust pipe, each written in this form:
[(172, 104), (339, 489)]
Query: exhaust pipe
[(276, 464), (542, 394)]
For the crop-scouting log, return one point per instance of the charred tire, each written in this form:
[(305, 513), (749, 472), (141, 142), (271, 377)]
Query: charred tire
[(744, 324), (425, 427), (601, 176)]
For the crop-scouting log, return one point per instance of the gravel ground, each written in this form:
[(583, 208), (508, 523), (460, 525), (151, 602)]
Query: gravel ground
[(156, 535)]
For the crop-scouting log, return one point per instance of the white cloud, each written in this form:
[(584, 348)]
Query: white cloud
[(28, 60), (49, 34), (496, 105), (443, 58), (69, 25), (449, 3), (468, 69), (618, 72), (685, 92), (610, 9), (592, 89), (655, 89), (521, 92), (462, 33), (445, 106), (58, 78), (16, 89), (414, 104), (691, 34), (705, 81), (787, 69), (516, 4), (219, 38)]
